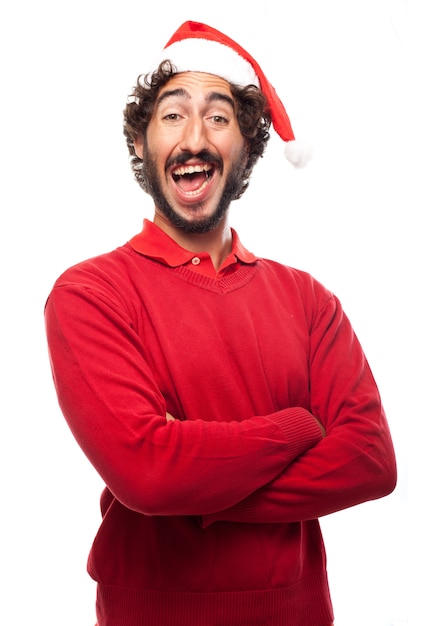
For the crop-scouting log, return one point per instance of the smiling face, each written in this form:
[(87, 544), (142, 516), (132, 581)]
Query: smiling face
[(194, 155)]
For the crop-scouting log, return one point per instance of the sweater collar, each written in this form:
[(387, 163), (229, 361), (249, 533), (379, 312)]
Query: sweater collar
[(156, 244)]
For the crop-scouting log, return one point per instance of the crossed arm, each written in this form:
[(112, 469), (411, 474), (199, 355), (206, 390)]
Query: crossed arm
[(292, 465)]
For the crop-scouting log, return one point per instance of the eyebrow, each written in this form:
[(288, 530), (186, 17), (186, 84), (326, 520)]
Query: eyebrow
[(213, 96)]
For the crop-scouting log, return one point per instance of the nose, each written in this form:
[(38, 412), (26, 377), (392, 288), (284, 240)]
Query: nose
[(195, 137)]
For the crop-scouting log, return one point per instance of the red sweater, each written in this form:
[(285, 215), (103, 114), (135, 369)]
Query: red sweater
[(211, 519)]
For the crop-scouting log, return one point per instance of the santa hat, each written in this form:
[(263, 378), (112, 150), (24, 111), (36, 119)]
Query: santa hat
[(196, 47)]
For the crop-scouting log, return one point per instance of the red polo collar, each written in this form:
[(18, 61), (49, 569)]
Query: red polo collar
[(156, 244)]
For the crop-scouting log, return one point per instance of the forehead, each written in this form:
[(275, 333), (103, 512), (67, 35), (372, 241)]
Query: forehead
[(196, 84)]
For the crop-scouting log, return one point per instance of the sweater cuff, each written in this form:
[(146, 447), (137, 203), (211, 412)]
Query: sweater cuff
[(300, 428), (301, 431)]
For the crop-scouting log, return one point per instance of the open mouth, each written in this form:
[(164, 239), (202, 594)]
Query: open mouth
[(192, 179)]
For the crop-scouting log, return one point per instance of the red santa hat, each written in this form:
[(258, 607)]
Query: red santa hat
[(196, 47)]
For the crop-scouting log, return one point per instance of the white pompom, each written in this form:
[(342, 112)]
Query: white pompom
[(299, 153)]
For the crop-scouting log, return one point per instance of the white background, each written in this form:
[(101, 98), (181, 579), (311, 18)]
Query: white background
[(351, 77)]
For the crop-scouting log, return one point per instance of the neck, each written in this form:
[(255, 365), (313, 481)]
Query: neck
[(217, 243)]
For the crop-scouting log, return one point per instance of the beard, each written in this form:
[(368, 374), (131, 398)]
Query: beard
[(233, 185)]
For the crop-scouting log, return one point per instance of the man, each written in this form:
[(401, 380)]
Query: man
[(224, 399)]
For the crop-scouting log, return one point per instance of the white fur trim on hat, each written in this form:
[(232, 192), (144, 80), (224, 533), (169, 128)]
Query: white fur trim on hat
[(211, 57)]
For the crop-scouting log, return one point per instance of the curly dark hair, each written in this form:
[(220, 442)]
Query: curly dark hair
[(251, 109)]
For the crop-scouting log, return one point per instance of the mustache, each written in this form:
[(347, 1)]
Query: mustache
[(203, 155)]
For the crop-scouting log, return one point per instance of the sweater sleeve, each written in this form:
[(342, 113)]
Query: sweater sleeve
[(116, 412), (355, 462)]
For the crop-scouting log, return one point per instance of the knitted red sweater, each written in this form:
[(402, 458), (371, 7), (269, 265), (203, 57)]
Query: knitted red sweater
[(211, 519)]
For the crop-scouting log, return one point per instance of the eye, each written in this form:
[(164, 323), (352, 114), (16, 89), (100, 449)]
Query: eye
[(172, 117), (219, 119)]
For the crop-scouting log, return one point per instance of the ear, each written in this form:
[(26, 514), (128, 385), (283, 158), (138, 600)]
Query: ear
[(138, 148)]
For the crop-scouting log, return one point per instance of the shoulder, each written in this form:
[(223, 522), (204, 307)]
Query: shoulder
[(104, 269), (106, 279), (296, 280), (300, 292)]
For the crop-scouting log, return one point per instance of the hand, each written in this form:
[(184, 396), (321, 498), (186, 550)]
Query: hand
[(169, 417), (324, 434)]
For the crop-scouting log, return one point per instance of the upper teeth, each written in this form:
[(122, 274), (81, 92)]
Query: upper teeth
[(191, 169)]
